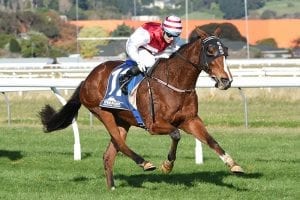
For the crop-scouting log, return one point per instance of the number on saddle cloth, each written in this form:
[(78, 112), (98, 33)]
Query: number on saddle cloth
[(114, 98)]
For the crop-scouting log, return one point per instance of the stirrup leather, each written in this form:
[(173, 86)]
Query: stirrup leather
[(123, 81)]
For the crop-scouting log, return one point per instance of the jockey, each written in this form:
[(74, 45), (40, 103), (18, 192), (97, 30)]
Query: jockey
[(147, 43)]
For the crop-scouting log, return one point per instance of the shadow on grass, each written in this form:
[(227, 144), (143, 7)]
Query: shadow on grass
[(294, 161), (12, 155), (84, 155), (80, 179), (189, 180)]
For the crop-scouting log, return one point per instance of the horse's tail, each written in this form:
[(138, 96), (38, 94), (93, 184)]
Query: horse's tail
[(53, 120)]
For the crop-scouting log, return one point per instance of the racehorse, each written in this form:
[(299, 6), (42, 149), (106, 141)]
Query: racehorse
[(166, 99)]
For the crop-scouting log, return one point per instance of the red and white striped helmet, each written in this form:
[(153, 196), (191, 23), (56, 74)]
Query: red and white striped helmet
[(172, 25)]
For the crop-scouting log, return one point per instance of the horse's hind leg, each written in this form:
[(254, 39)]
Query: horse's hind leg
[(196, 127), (168, 164), (109, 159), (109, 122), (108, 162)]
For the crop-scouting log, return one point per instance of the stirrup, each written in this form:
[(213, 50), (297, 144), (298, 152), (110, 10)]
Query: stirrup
[(123, 86), (123, 82)]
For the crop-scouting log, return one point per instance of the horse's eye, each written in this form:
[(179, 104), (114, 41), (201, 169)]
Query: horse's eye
[(211, 50)]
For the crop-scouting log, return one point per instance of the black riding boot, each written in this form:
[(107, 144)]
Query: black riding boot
[(124, 79)]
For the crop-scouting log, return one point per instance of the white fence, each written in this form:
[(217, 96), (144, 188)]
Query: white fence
[(74, 63), (247, 74)]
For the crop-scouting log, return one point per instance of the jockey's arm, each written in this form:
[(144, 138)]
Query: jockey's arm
[(174, 46), (139, 38)]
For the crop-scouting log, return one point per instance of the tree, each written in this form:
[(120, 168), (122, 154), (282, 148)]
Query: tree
[(89, 48), (53, 4), (233, 9), (229, 31), (67, 40), (268, 14), (296, 43), (122, 31), (4, 39), (72, 13), (47, 24), (64, 6), (8, 23), (35, 46), (268, 42), (255, 4), (82, 4), (14, 46)]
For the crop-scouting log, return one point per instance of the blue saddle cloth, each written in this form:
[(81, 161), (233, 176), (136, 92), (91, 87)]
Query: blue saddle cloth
[(114, 98)]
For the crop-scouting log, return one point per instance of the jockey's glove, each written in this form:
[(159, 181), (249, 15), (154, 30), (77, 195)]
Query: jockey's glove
[(142, 67)]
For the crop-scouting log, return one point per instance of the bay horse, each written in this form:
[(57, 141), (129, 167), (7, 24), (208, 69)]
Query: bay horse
[(166, 99)]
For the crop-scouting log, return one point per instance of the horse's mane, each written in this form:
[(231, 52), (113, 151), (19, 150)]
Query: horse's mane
[(191, 40), (182, 47)]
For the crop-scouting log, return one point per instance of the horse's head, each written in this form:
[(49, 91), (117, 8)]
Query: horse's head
[(213, 55)]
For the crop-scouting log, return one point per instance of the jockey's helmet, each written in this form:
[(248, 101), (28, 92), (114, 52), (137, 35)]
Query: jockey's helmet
[(172, 25)]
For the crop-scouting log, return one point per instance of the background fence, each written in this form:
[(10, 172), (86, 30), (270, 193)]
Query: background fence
[(248, 73)]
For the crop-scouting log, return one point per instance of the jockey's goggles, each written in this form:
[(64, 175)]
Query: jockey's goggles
[(169, 35)]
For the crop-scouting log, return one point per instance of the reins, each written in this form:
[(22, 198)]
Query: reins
[(171, 86), (199, 67)]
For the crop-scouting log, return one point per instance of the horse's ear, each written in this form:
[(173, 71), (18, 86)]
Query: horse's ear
[(201, 33), (217, 32)]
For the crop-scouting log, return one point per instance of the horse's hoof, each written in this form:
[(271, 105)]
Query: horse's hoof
[(236, 169), (147, 166), (167, 166)]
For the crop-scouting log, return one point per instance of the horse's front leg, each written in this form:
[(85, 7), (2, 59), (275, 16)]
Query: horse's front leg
[(196, 127), (168, 164)]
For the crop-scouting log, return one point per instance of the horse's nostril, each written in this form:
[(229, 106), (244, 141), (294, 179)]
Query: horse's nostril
[(225, 80), (226, 83)]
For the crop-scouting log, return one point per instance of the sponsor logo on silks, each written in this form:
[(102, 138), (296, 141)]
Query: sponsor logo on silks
[(112, 102)]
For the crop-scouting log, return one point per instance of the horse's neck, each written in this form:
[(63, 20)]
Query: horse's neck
[(178, 70)]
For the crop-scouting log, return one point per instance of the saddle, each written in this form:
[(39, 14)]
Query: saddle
[(114, 97)]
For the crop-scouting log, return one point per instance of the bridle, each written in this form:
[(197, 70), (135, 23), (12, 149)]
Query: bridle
[(206, 56)]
